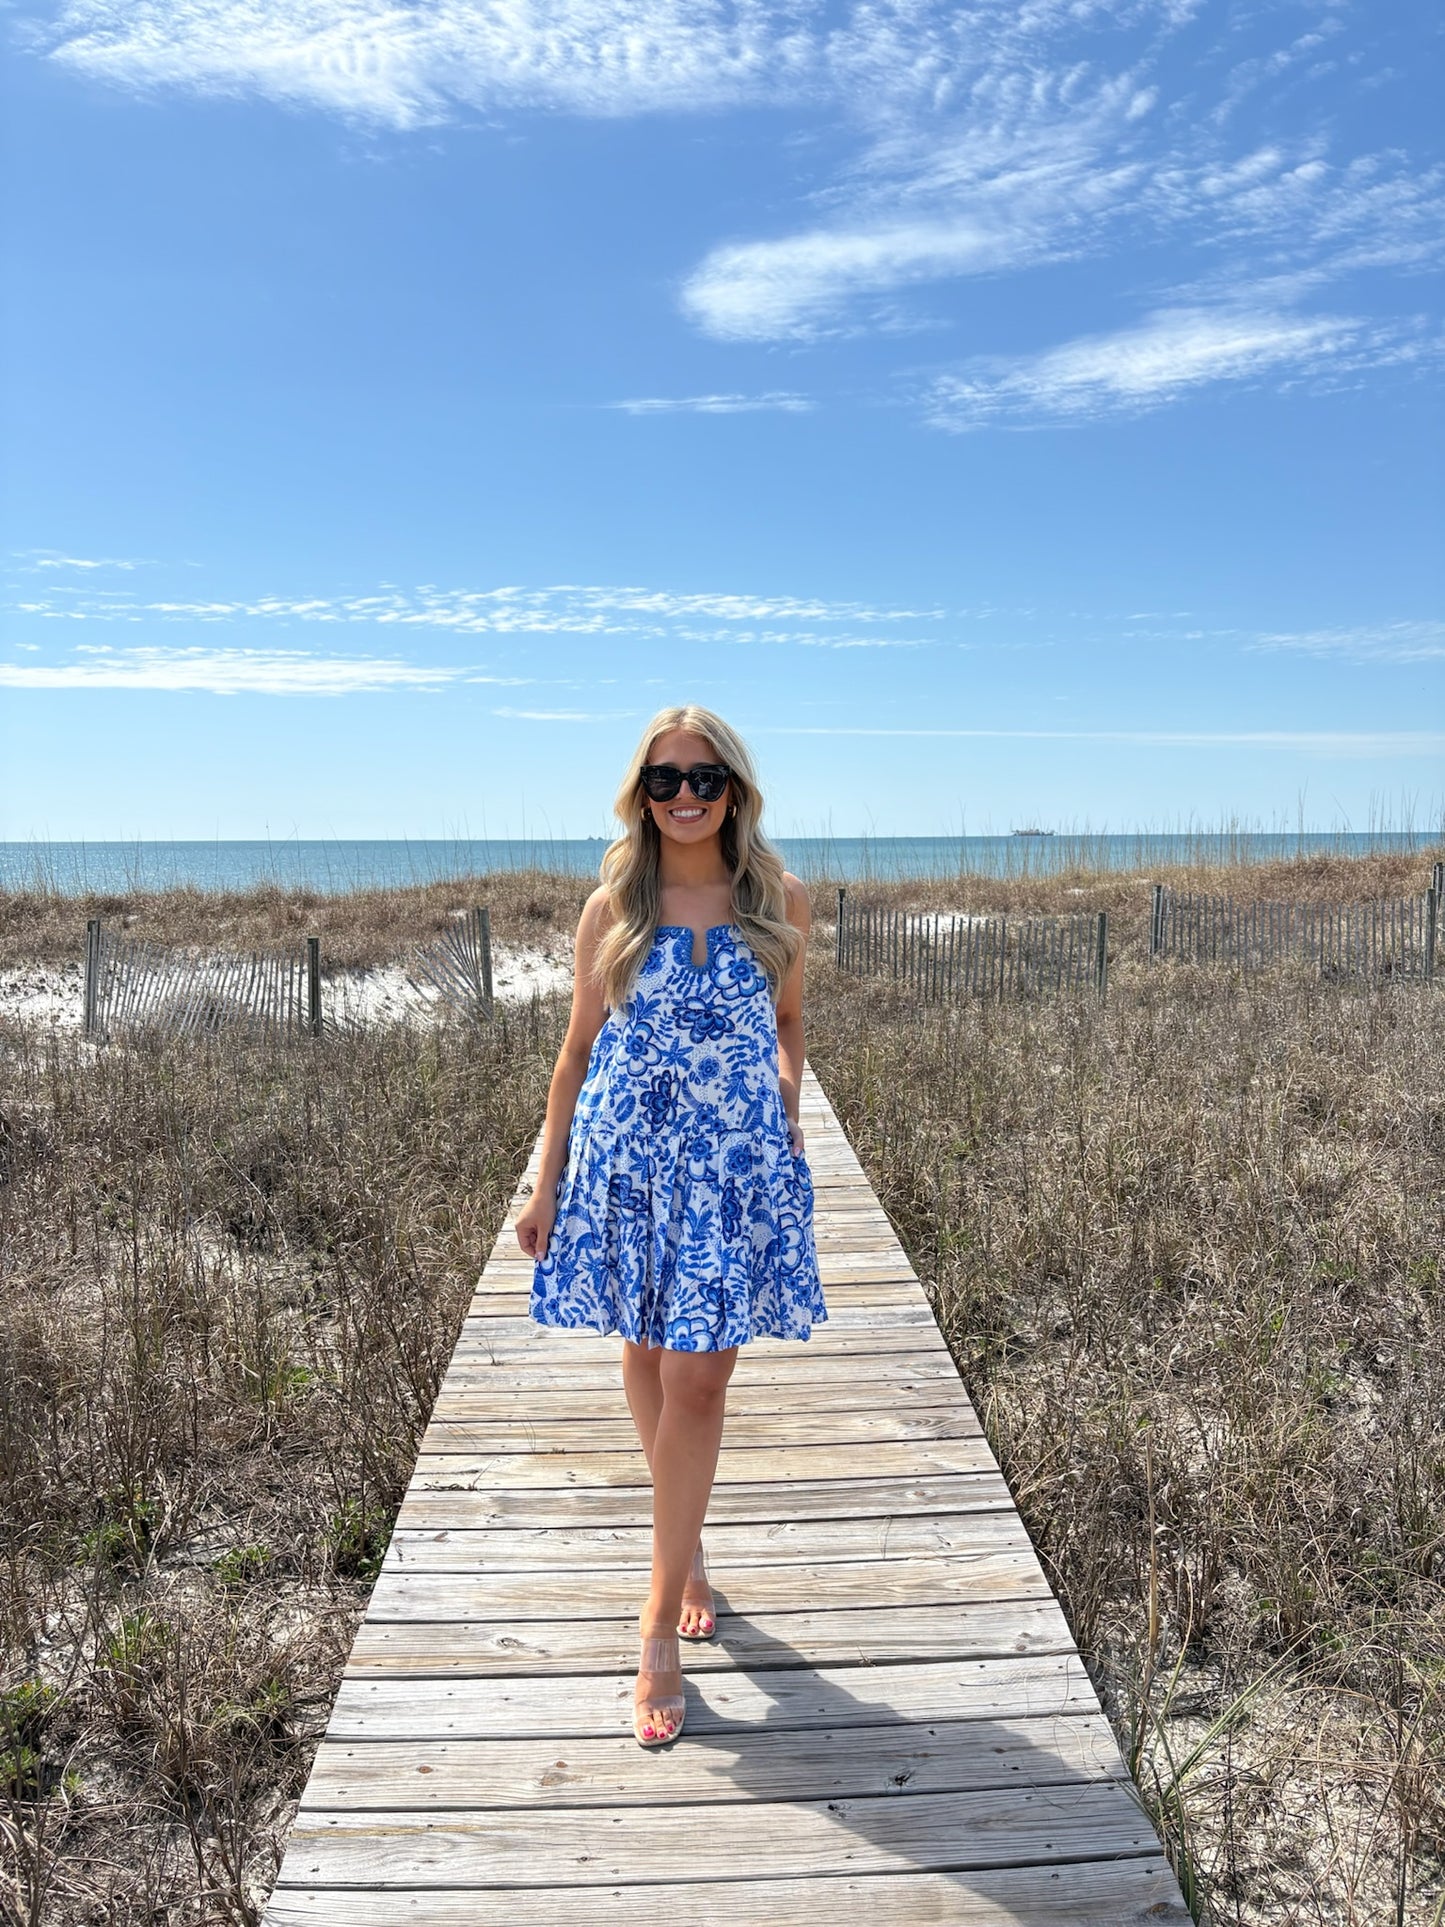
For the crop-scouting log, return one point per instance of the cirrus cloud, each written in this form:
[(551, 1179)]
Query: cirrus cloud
[(1166, 355), (237, 672)]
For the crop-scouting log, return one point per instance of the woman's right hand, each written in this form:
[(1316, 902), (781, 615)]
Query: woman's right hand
[(535, 1221)]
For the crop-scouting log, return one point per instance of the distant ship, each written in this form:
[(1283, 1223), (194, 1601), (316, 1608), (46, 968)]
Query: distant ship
[(1033, 832)]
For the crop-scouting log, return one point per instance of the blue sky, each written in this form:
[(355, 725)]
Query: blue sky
[(1012, 412)]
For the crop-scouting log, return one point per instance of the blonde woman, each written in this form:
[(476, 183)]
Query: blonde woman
[(674, 1203)]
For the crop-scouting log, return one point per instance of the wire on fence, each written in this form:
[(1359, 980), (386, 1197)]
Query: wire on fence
[(1392, 938), (132, 986), (943, 958), (458, 966)]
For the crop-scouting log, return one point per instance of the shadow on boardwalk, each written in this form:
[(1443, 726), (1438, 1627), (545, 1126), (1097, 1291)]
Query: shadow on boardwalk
[(982, 1793)]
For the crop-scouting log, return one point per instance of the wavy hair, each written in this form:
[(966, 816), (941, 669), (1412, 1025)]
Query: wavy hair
[(631, 865)]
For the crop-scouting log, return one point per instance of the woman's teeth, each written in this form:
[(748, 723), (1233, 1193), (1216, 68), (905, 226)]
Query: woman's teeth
[(686, 816)]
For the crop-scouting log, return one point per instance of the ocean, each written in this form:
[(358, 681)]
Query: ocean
[(337, 865)]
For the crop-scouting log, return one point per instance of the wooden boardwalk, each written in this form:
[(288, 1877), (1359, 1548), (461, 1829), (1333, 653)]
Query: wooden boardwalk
[(893, 1724)]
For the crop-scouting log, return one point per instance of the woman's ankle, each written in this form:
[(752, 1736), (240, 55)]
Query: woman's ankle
[(655, 1624)]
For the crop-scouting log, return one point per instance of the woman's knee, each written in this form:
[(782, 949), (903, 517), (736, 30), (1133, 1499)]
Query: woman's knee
[(697, 1381)]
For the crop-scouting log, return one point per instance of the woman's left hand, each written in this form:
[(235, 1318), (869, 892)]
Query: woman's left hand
[(795, 1137)]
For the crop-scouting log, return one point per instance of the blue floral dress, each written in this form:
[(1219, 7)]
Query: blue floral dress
[(684, 1218)]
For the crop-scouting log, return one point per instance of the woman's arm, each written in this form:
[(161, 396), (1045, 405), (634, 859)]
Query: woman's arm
[(790, 1014), (535, 1221)]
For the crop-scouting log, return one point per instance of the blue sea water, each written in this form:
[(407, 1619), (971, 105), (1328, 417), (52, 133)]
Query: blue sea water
[(338, 866)]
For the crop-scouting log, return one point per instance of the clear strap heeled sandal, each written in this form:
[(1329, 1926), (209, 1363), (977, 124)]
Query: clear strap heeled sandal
[(707, 1615), (659, 1655)]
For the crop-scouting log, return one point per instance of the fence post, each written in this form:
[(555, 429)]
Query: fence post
[(484, 940), (1156, 920), (1101, 954), (1437, 882), (842, 893), (313, 986), (1432, 924), (92, 972)]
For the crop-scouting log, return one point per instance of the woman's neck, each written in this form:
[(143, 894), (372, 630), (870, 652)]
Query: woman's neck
[(696, 866)]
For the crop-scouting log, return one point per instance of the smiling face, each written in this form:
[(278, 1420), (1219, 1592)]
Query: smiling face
[(685, 819)]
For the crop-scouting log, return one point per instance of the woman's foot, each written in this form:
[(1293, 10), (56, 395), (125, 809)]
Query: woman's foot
[(698, 1618), (658, 1702)]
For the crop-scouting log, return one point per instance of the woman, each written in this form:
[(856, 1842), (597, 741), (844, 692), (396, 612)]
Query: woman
[(673, 1202)]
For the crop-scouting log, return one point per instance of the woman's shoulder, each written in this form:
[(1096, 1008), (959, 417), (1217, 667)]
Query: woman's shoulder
[(800, 909), (596, 912), (592, 927)]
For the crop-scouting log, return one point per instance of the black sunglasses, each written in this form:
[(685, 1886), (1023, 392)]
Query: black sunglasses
[(707, 781)]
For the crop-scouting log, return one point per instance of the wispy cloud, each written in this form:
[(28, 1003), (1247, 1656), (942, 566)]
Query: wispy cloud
[(561, 609), (813, 283), (783, 403), (1165, 356), (32, 561), (802, 639), (1004, 162), (1324, 742), (565, 715), (235, 672), (408, 66), (1379, 642)]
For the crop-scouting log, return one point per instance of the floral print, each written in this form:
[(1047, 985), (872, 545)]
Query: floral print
[(684, 1218)]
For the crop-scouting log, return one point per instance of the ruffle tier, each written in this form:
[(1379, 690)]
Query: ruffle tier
[(695, 1244)]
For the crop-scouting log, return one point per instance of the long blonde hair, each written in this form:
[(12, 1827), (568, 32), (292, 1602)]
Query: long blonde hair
[(630, 866)]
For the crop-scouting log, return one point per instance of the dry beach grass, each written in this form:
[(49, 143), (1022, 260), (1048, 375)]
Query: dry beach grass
[(358, 929), (231, 1281), (1189, 1250)]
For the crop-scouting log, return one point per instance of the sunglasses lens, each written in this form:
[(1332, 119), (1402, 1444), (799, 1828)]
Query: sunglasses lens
[(662, 781), (707, 785)]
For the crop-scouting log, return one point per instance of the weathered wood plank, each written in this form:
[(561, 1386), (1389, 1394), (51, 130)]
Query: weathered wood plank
[(870, 1635), (846, 1395), (523, 1429), (943, 1756), (577, 1364), (446, 1500), (558, 1847), (824, 1696), (517, 1345), (1131, 1893), (405, 1591), (797, 1541), (444, 1460)]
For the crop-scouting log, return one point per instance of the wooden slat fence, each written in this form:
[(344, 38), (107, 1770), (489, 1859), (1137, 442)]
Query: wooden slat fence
[(1393, 938), (941, 958), (133, 986), (458, 966)]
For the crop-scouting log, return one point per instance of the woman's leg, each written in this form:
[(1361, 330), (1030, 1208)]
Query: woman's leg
[(642, 1384), (685, 1446)]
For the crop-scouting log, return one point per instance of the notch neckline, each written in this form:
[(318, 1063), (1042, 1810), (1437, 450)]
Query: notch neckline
[(686, 929)]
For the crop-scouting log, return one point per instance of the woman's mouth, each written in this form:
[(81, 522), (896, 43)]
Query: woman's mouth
[(686, 815)]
